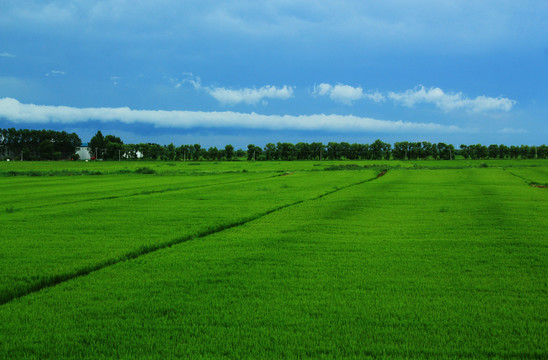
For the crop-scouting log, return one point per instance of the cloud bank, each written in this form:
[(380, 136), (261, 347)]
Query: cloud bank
[(16, 112), (450, 101)]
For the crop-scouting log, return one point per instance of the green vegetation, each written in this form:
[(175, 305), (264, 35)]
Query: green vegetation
[(25, 144), (101, 222), (52, 145), (274, 260)]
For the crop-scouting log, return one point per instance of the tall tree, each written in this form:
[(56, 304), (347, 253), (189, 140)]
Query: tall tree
[(113, 147), (229, 152), (97, 145)]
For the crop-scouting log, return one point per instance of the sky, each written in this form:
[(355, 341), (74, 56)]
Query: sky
[(241, 72)]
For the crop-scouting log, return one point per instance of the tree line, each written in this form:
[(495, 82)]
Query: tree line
[(25, 144), (111, 148), (380, 150), (54, 145)]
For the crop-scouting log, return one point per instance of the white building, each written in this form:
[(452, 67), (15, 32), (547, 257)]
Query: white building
[(83, 151)]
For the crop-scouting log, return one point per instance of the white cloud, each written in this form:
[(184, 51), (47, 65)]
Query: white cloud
[(250, 95), (190, 78), (55, 73), (450, 101), (345, 94), (6, 54), (322, 89), (16, 112), (235, 96)]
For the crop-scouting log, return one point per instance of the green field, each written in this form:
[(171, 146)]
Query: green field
[(434, 259)]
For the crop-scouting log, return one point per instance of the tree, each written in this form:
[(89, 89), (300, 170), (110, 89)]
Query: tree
[(285, 151), (196, 152), (380, 150), (504, 151), (400, 151), (464, 151), (542, 152), (229, 152), (183, 152), (446, 152), (253, 152), (97, 146), (317, 150), (113, 147), (213, 153), (333, 150), (3, 142), (426, 150), (46, 150), (493, 151), (170, 152), (270, 152), (344, 150), (240, 153)]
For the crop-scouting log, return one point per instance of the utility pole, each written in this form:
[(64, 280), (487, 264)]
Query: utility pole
[(119, 159)]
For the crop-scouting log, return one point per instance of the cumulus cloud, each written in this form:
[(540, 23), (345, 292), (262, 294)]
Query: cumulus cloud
[(226, 96), (345, 94), (446, 101), (16, 112), (250, 95), (450, 101)]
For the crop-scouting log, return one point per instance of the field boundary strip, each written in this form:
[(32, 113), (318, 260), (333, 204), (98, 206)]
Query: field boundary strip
[(54, 280)]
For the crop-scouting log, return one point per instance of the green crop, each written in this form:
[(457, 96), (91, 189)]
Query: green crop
[(58, 228), (423, 262)]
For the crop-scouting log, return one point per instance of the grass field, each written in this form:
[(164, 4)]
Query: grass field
[(272, 260)]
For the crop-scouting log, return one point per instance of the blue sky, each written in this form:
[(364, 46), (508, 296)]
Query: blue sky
[(240, 72)]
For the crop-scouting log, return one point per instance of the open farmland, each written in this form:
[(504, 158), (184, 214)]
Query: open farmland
[(271, 260)]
